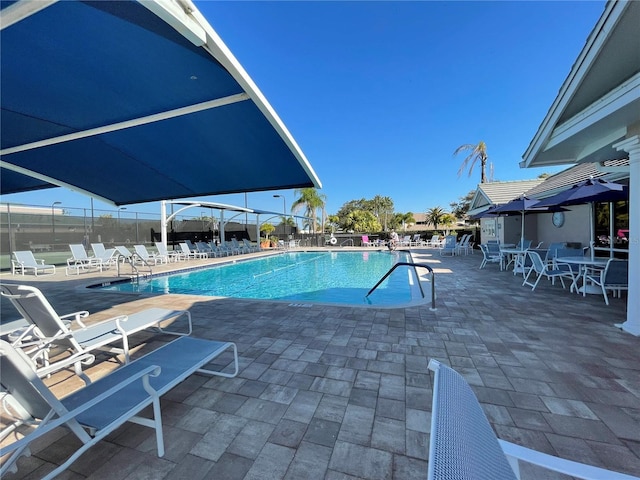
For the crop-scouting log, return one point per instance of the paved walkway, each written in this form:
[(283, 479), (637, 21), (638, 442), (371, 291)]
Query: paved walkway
[(334, 392)]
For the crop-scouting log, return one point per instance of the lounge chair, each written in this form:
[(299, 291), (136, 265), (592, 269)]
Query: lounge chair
[(81, 261), (462, 444), (434, 242), (463, 246), (254, 248), (172, 255), (205, 248), (52, 330), (98, 409), (449, 245), (154, 258), (24, 261), (189, 253), (416, 241)]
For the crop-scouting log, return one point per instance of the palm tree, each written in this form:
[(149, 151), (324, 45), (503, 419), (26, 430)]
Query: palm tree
[(435, 216), (311, 201), (477, 152)]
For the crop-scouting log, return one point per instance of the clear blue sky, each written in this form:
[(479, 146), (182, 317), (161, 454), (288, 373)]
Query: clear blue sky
[(379, 94)]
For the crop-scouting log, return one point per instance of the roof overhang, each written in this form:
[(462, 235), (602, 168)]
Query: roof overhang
[(133, 102), (600, 99)]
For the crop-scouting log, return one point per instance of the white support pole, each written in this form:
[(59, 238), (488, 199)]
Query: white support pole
[(163, 222), (221, 227), (632, 146), (258, 231)]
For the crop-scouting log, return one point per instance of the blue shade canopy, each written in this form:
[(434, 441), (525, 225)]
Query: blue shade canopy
[(590, 190), (134, 102)]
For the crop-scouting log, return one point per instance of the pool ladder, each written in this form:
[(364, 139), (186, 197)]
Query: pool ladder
[(135, 273), (414, 265)]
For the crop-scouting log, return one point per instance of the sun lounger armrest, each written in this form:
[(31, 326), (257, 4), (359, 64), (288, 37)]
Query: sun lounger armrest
[(152, 370), (515, 453), (76, 316)]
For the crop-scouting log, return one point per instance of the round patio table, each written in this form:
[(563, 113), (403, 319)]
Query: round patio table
[(584, 264), (517, 256)]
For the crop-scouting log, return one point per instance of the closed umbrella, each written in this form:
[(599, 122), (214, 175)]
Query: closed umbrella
[(589, 191)]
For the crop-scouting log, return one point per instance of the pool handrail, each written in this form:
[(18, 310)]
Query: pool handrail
[(414, 265)]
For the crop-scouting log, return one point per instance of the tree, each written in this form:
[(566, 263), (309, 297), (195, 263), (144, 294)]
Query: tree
[(435, 216), (462, 206), (477, 153), (361, 221), (309, 200), (403, 219), (382, 208)]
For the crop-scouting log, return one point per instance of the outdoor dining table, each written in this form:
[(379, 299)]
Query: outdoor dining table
[(517, 256), (584, 263)]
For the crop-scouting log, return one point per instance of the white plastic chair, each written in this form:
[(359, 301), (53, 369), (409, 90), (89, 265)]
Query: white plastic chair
[(463, 446), (24, 261), (52, 330), (96, 410)]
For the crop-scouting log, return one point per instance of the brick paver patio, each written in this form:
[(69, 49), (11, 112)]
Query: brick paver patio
[(337, 392)]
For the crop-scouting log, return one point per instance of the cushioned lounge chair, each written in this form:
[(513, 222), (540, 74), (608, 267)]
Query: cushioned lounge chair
[(98, 409), (24, 261), (51, 330), (463, 446)]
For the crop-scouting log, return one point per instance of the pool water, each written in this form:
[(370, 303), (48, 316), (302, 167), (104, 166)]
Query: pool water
[(327, 277)]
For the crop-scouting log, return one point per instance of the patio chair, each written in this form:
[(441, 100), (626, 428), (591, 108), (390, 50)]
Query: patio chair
[(463, 446), (366, 242), (81, 261), (488, 257), (542, 270), (154, 258), (205, 248), (54, 331), (24, 261), (434, 241), (96, 410), (615, 276), (449, 246)]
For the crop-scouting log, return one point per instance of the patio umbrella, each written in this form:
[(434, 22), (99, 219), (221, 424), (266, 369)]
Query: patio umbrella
[(522, 205), (589, 191)]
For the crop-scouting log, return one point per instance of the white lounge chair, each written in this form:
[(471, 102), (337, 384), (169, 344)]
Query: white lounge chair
[(24, 261), (172, 255), (81, 261), (98, 409), (51, 330), (189, 253), (154, 258), (463, 446), (463, 245)]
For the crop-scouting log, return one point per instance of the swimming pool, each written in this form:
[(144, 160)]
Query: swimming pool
[(325, 277)]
